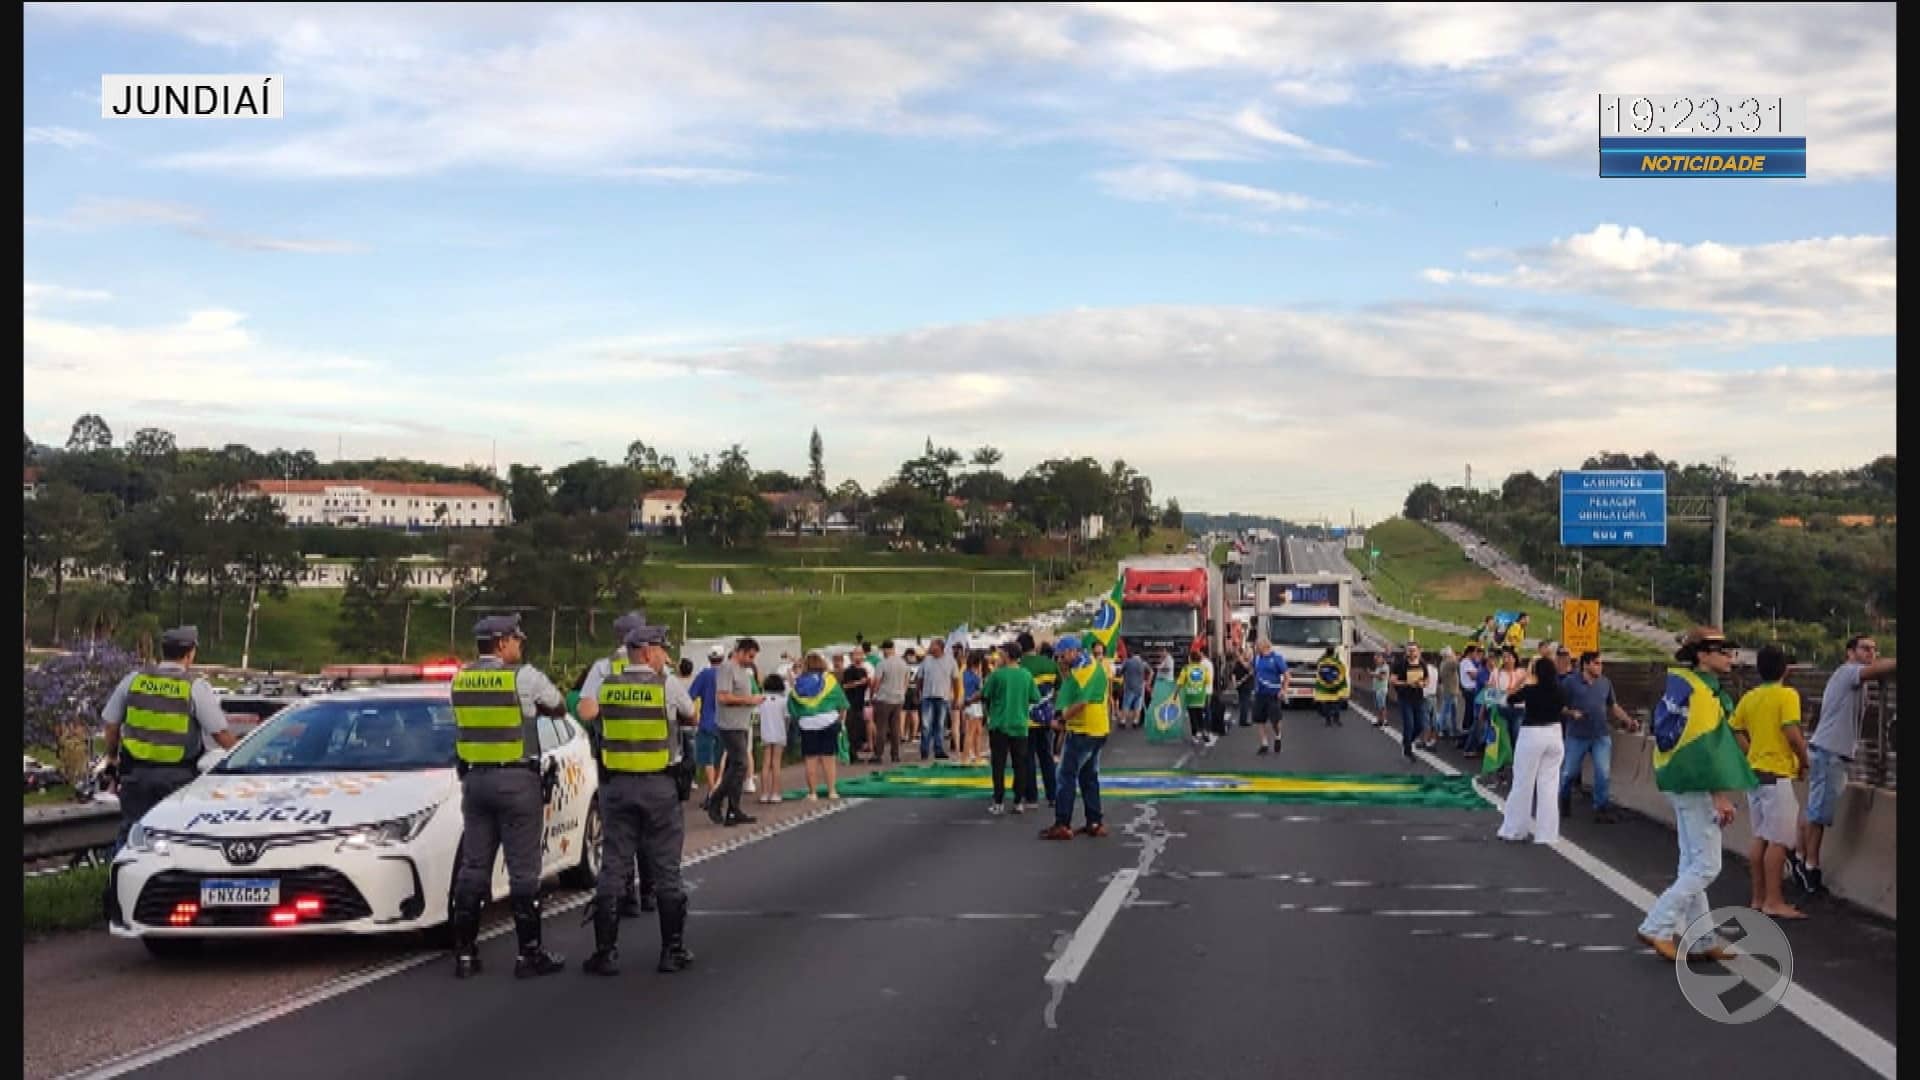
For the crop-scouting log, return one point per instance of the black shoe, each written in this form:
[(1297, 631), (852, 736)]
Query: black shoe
[(1815, 885), (735, 817), (533, 960), (715, 812), (674, 955), (466, 965), (1566, 806), (1263, 750), (606, 936), (464, 923), (1798, 868), (1606, 815)]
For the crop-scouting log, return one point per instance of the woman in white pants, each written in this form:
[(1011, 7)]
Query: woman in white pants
[(1533, 803)]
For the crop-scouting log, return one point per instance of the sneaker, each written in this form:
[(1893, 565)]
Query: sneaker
[(1798, 869), (1263, 750), (1816, 886), (1018, 809), (1056, 832), (751, 786), (737, 818), (995, 809)]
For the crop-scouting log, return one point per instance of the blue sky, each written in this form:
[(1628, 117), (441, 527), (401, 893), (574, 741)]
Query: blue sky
[(1281, 259)]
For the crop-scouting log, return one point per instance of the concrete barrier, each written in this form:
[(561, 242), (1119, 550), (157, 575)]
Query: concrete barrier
[(1859, 856)]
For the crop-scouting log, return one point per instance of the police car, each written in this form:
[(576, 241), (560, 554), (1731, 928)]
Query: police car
[(339, 815)]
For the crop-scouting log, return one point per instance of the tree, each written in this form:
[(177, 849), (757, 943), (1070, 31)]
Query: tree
[(723, 506), (922, 515), (817, 464), (1171, 519), (1523, 489), (265, 552), (89, 433), (986, 457), (373, 610), (1424, 503), (591, 486), (65, 530), (152, 444), (62, 697), (528, 496), (614, 557), (778, 482)]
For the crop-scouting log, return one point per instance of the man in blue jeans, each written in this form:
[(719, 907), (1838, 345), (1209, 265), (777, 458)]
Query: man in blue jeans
[(1082, 699), (1408, 677), (936, 699), (1590, 705)]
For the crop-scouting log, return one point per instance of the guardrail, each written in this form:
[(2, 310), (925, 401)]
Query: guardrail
[(50, 832)]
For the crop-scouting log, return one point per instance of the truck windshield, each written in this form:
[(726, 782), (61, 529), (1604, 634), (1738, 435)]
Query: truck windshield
[(1159, 622), (1322, 630)]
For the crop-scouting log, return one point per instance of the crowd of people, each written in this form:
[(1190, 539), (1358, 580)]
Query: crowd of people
[(1547, 715)]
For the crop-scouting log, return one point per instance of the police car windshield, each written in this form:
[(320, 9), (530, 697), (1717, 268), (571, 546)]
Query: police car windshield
[(1315, 631), (349, 735)]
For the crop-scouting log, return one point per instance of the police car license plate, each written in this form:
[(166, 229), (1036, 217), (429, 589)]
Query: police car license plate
[(240, 892)]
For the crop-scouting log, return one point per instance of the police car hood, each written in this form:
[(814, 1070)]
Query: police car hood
[(235, 805)]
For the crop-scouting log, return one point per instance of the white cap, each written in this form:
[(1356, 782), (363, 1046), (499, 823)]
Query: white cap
[(716, 653)]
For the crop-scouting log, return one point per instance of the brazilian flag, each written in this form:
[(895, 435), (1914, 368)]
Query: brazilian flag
[(1106, 621), (1166, 719), (1500, 749)]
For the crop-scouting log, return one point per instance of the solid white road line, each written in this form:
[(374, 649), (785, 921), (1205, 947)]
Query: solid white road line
[(1072, 959), (140, 1059), (1874, 1051)]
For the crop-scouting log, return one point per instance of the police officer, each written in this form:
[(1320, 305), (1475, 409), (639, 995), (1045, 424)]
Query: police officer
[(496, 701), (644, 778), (638, 896), (159, 721)]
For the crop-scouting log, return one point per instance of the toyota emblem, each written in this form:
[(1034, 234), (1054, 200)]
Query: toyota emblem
[(241, 852)]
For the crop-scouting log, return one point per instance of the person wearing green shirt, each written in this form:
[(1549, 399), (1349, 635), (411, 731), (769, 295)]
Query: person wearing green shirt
[(1082, 702), (1040, 722), (1010, 695)]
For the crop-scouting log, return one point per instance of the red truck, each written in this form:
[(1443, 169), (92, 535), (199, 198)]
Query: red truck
[(1173, 603)]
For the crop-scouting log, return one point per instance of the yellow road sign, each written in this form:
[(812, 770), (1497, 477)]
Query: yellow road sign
[(1581, 619)]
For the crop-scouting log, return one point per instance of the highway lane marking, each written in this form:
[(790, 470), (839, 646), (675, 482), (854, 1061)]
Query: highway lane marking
[(333, 988), (1072, 959), (1872, 1050)]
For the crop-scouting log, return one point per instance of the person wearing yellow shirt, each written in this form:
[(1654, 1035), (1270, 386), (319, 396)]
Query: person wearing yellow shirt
[(1517, 633), (1082, 703), (1767, 723)]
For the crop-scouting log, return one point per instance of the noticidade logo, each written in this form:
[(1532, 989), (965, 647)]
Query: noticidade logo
[(206, 97)]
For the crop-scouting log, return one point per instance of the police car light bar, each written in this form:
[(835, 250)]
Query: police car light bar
[(440, 669)]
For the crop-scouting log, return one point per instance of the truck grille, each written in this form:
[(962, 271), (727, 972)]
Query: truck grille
[(340, 900)]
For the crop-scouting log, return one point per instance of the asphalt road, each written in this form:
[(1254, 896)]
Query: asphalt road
[(925, 939)]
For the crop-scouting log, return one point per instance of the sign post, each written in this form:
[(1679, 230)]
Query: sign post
[(1613, 508), (1580, 626)]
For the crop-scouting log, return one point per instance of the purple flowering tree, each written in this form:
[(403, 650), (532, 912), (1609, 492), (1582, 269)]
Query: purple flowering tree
[(62, 698)]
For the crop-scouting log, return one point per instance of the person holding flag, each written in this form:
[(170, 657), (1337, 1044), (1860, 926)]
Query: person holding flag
[(816, 705), (1040, 725), (1196, 687), (1697, 764), (1330, 687), (1083, 704)]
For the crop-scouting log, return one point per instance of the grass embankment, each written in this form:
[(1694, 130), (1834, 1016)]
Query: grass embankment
[(68, 900), (881, 594), (1424, 573)]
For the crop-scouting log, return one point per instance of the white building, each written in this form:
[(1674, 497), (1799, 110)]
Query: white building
[(388, 504), (661, 509)]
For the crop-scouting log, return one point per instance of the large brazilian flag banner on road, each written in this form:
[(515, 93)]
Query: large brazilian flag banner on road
[(944, 781), (1166, 720)]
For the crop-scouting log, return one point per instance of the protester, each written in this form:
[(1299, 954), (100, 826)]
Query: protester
[(1468, 688), (1382, 677), (772, 711), (706, 738), (1447, 723), (890, 679), (816, 705), (1533, 806), (1330, 687), (1242, 676), (1429, 704), (1517, 633), (1590, 707), (739, 695), (1040, 664), (1133, 690), (910, 708), (1010, 695), (1083, 706), (1767, 724), (1195, 688), (854, 681), (956, 722), (1835, 740), (1270, 680), (973, 710), (1696, 764), (937, 673), (1409, 678)]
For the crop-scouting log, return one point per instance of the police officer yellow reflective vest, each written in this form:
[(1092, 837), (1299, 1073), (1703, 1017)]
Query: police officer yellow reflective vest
[(159, 725), (1329, 679), (634, 732), (489, 729)]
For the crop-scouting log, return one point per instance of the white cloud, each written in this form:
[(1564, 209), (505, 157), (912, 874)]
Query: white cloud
[(1164, 183), (1253, 123), (65, 138), (97, 213), (683, 174), (395, 90), (39, 294), (1837, 286)]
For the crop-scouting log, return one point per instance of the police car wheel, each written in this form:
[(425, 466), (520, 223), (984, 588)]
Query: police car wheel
[(171, 948), (587, 871)]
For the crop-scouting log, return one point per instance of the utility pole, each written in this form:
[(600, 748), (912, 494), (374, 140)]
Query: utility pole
[(1719, 560), (253, 605), (406, 628)]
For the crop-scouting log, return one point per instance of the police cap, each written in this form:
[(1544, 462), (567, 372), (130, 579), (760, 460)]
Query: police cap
[(495, 627), (627, 622), (182, 637), (640, 634)]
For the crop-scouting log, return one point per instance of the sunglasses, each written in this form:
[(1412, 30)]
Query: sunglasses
[(1712, 647)]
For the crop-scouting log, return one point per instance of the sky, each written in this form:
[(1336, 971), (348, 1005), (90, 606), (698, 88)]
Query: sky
[(1281, 259)]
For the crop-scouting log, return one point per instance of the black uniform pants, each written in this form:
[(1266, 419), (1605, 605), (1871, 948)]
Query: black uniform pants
[(641, 815)]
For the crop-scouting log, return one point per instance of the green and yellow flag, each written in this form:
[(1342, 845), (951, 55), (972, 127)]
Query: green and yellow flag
[(1693, 748), (1165, 718), (1106, 621), (1500, 749)]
